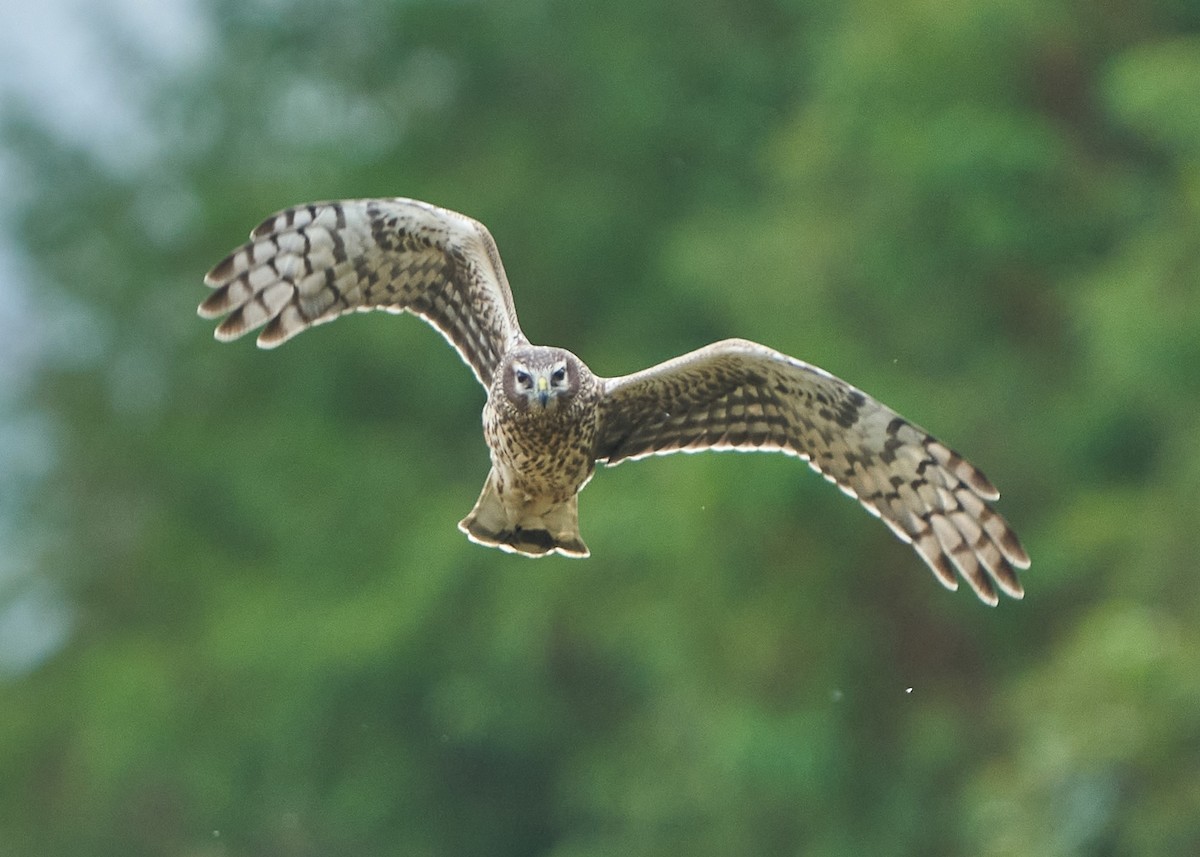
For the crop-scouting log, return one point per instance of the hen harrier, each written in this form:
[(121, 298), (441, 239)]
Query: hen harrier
[(548, 420)]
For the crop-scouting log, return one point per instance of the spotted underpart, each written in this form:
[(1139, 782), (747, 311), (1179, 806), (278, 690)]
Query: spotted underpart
[(545, 455), (541, 458), (312, 263)]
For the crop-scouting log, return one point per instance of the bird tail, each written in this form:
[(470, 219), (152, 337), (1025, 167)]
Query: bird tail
[(554, 531)]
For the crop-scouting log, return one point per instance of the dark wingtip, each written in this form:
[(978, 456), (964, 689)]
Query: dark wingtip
[(274, 334), (231, 328), (215, 305), (222, 271), (265, 228)]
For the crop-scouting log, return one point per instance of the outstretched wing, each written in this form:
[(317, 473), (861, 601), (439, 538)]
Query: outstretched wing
[(740, 395), (309, 264)]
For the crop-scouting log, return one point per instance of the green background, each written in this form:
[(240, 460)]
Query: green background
[(236, 617)]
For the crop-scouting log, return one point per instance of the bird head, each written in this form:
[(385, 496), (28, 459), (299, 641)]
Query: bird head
[(540, 379)]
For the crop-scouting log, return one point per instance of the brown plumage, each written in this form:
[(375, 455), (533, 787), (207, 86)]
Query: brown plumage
[(548, 419)]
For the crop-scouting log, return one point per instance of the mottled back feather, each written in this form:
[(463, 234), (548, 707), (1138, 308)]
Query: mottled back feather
[(312, 263), (740, 395)]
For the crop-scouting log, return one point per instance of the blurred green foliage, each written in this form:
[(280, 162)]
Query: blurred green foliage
[(985, 213)]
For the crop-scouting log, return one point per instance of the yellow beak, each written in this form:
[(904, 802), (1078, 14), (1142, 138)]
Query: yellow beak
[(543, 384)]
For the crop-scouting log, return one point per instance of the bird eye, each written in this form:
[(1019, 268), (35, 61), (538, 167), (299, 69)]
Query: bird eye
[(558, 376), (524, 378)]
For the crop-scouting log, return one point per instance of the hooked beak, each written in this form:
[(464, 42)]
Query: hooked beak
[(543, 390)]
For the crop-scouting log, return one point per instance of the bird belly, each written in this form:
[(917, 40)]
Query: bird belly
[(533, 486), (539, 469)]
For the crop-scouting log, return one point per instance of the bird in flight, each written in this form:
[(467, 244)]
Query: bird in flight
[(549, 420)]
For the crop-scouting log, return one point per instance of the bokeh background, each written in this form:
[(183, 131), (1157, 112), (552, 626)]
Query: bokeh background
[(236, 617)]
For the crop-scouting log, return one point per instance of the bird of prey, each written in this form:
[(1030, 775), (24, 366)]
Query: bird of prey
[(549, 420)]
